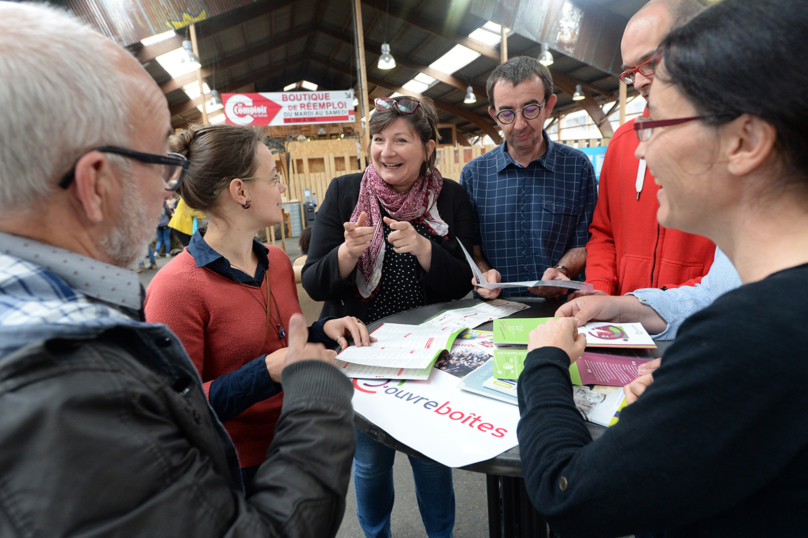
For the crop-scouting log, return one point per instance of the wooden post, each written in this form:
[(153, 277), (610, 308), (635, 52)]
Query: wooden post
[(623, 95), (199, 75), (363, 75), (503, 45)]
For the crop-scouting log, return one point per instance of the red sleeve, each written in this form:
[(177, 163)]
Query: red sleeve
[(600, 250), (173, 298)]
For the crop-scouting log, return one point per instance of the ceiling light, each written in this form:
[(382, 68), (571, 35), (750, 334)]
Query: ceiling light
[(215, 98), (470, 97), (190, 59), (545, 58), (386, 60), (579, 94)]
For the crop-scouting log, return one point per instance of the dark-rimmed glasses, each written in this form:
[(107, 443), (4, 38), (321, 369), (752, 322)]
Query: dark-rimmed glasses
[(274, 180), (645, 127), (175, 165), (646, 69), (530, 112), (405, 106)]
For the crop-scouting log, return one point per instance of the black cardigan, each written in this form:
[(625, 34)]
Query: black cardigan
[(449, 276), (716, 447)]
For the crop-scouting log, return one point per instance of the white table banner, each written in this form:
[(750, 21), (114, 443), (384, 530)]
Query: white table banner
[(438, 419)]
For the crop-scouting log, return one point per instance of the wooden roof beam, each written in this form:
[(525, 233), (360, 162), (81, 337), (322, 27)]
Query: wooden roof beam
[(436, 29), (478, 120), (231, 61), (374, 49), (235, 84)]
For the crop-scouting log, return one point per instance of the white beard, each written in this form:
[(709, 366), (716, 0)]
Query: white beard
[(128, 242)]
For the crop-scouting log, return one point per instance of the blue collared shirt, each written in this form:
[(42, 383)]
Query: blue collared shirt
[(677, 304), (234, 392), (527, 217)]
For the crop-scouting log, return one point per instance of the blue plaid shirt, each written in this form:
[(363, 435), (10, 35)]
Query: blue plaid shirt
[(526, 218)]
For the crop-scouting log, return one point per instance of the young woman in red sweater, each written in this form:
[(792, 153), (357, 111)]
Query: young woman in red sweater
[(227, 296)]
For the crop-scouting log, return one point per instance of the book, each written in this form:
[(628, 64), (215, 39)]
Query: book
[(599, 369), (598, 333), (515, 331), (400, 352), (478, 383), (601, 405)]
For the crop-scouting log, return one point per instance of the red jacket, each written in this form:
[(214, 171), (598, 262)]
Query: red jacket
[(222, 325), (628, 249)]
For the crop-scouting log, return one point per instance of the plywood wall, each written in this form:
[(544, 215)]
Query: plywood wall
[(316, 170)]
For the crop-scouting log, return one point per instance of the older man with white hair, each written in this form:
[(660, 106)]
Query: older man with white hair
[(104, 427)]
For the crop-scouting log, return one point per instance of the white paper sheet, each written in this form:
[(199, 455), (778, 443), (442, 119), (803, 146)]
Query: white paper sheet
[(483, 283), (401, 346), (436, 418), (476, 315)]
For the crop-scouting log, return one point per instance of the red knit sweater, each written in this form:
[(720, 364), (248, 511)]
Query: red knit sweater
[(222, 324), (628, 249)]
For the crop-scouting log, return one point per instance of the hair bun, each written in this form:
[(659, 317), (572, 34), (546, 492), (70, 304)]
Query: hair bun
[(181, 143)]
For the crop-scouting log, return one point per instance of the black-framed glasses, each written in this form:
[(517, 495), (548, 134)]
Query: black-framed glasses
[(646, 69), (175, 165), (645, 127), (530, 112), (407, 105)]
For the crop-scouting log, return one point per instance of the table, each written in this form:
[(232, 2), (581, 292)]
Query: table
[(510, 513)]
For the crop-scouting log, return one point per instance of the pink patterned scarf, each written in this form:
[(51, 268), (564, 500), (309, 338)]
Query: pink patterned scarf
[(420, 200)]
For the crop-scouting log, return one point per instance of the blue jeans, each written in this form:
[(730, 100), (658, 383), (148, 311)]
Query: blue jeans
[(151, 253), (163, 238), (373, 483)]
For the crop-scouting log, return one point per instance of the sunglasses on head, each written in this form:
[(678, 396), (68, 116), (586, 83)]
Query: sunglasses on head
[(405, 106)]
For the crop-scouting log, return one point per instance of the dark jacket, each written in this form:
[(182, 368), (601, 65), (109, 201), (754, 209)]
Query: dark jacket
[(449, 276), (111, 435)]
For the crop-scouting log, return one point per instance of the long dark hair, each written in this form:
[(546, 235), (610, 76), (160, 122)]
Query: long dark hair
[(743, 56)]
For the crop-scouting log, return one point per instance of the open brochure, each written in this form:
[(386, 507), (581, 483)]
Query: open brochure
[(510, 349), (598, 333), (472, 316), (400, 352), (483, 283), (598, 404)]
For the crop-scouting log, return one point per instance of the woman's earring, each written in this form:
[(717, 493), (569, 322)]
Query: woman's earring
[(246, 205)]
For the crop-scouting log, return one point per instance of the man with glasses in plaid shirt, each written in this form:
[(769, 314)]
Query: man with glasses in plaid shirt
[(629, 249), (104, 427), (532, 199)]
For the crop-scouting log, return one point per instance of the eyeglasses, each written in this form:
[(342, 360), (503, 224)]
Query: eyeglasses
[(646, 69), (405, 106), (273, 180), (175, 165), (530, 112), (644, 128)]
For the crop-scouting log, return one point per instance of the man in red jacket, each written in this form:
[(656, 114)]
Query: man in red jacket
[(628, 249)]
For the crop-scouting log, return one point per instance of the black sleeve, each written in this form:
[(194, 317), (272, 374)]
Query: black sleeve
[(712, 430), (233, 393), (320, 274), (449, 275)]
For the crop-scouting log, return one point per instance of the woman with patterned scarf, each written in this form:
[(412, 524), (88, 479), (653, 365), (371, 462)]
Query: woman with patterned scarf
[(385, 241)]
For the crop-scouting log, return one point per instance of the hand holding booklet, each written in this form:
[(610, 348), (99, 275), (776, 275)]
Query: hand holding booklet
[(483, 282), (400, 352)]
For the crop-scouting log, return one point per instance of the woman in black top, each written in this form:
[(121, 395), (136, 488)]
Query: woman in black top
[(385, 241), (718, 444)]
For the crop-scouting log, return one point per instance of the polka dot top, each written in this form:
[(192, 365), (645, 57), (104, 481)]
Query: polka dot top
[(399, 288)]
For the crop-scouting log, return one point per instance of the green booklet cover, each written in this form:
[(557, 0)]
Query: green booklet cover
[(515, 331), (509, 363)]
